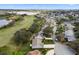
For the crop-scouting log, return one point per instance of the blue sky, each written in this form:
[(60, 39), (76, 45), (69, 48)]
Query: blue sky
[(39, 6)]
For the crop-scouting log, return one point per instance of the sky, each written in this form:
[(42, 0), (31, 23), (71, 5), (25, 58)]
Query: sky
[(39, 6)]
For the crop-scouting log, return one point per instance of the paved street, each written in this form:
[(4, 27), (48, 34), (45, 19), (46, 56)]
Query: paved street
[(62, 49)]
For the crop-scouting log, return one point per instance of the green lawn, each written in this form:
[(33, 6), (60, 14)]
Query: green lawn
[(7, 33), (48, 41)]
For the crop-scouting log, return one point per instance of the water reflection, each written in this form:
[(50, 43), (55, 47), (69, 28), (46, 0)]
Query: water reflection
[(4, 22)]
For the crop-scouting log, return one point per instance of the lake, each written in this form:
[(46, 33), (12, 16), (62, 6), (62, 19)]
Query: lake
[(4, 22)]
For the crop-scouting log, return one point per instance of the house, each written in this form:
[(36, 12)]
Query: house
[(37, 42)]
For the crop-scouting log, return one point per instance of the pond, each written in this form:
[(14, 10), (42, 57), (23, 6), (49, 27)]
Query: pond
[(4, 22)]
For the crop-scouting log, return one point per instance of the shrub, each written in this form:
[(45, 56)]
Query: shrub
[(22, 37), (4, 50)]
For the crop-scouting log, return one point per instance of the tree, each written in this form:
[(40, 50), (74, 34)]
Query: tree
[(36, 26), (22, 37), (16, 18), (72, 18), (60, 29), (47, 31)]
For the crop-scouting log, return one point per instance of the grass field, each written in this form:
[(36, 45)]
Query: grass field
[(7, 33)]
